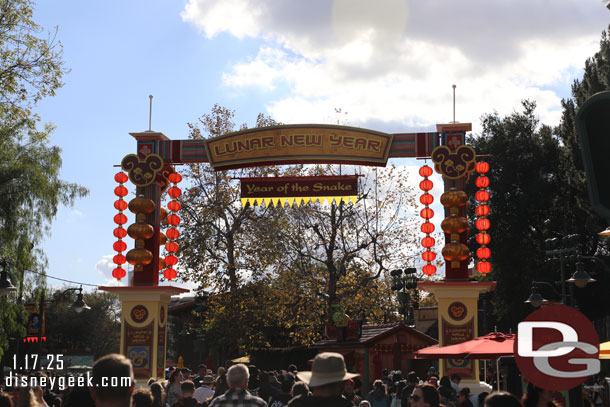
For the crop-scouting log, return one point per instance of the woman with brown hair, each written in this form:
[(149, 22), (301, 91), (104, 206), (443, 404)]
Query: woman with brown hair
[(425, 395)]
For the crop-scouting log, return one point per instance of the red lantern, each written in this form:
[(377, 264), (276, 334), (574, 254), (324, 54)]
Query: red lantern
[(120, 219), (481, 167), (482, 182), (482, 224), (120, 205), (118, 273), (173, 220), (170, 274), (427, 213), (425, 171), (482, 210), (427, 227), (428, 256), (174, 206), (119, 259), (429, 269), (171, 260), (172, 233), (426, 199), (483, 238), (483, 267), (427, 242), (174, 178), (120, 177), (172, 247), (483, 253), (119, 246), (426, 185), (120, 191), (174, 192), (482, 196), (119, 232)]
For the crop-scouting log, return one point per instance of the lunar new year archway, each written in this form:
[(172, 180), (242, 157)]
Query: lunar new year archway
[(151, 170)]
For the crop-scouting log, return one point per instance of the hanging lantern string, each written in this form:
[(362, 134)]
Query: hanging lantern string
[(427, 213), (482, 211), (171, 247), (120, 219)]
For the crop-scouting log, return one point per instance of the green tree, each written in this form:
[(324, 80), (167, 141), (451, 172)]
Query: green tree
[(30, 193), (31, 65), (95, 331)]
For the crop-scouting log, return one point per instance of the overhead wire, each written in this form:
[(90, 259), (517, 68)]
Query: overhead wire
[(61, 279)]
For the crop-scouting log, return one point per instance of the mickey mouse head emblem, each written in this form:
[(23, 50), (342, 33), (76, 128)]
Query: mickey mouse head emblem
[(142, 171), (454, 164)]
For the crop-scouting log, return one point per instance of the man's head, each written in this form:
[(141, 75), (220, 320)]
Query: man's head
[(349, 386), (202, 370), (455, 378), (238, 376), (113, 380), (412, 378), (188, 388), (142, 397), (328, 374)]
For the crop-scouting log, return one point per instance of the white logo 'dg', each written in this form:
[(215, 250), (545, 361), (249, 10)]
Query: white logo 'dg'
[(568, 344), (525, 338)]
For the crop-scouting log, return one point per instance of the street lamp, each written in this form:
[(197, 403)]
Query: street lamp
[(581, 278), (535, 299), (408, 282), (6, 286), (79, 305)]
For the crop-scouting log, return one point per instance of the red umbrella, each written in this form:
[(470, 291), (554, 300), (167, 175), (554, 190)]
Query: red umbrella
[(490, 346)]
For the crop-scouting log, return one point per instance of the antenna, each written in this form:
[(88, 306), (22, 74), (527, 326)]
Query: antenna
[(150, 111), (453, 104)]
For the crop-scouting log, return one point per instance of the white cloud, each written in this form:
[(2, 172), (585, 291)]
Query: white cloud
[(395, 61), (104, 268)]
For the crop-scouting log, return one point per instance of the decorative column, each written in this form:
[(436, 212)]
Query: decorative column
[(457, 297), (144, 303)]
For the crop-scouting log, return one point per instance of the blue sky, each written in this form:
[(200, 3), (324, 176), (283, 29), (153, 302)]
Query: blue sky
[(390, 64)]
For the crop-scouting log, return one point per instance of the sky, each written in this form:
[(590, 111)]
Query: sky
[(388, 65)]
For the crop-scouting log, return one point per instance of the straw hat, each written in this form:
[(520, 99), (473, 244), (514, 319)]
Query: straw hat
[(327, 367)]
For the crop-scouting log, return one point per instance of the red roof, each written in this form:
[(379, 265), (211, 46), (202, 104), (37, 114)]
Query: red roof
[(372, 334)]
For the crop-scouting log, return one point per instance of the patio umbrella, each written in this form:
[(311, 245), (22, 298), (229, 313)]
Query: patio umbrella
[(490, 346), (604, 350)]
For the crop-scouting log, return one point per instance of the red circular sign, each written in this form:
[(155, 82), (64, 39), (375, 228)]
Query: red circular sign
[(457, 310), (546, 352)]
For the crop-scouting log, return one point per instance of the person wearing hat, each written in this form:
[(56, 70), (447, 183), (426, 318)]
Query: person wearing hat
[(204, 391), (327, 380)]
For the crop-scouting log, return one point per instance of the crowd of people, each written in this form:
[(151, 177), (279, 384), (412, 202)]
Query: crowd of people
[(237, 385)]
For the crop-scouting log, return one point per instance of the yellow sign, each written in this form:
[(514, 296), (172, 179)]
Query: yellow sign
[(299, 144)]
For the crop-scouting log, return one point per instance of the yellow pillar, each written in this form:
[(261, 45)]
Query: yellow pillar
[(143, 327), (457, 322)]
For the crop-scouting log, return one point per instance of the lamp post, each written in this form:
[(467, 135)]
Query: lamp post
[(402, 283), (565, 249)]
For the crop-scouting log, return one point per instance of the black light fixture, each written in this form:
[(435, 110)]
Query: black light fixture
[(581, 278), (79, 305), (535, 299), (6, 286)]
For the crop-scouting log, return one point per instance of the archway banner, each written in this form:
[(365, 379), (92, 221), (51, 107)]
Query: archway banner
[(297, 144), (298, 190)]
